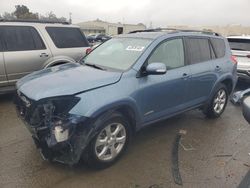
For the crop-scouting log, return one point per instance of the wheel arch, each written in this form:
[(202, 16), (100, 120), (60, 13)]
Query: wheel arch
[(59, 60), (228, 82), (128, 109)]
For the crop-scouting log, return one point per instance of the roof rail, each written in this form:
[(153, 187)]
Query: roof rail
[(177, 30), (32, 21), (200, 31)]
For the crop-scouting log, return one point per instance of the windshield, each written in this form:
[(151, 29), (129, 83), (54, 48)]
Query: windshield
[(117, 53)]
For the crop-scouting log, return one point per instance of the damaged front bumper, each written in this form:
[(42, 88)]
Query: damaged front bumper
[(60, 137)]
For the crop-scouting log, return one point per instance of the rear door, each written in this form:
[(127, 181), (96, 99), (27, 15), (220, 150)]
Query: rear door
[(202, 69), (3, 78), (25, 51), (68, 41)]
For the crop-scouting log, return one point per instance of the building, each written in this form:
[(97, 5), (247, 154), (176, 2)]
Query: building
[(226, 30), (99, 26)]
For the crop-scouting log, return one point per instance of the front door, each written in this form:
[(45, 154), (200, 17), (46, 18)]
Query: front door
[(162, 95)]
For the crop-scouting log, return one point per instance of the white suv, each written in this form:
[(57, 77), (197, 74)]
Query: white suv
[(27, 46), (240, 46)]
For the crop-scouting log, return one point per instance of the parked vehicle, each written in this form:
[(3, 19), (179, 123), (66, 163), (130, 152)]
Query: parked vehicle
[(240, 46), (133, 80), (98, 38), (91, 39), (246, 109), (102, 37), (27, 46)]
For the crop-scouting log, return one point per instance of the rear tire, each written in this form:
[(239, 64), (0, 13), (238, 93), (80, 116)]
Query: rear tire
[(110, 142), (217, 103)]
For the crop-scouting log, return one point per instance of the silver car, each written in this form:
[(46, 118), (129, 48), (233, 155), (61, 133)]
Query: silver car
[(240, 47), (29, 46)]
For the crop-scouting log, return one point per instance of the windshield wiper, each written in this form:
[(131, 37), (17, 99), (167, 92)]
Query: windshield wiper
[(95, 66)]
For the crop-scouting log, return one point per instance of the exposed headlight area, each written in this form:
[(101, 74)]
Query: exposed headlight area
[(55, 131)]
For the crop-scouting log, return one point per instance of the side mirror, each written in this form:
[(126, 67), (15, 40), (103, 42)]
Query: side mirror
[(246, 109), (156, 68)]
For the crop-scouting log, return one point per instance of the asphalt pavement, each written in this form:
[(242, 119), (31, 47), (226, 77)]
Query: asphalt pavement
[(211, 153)]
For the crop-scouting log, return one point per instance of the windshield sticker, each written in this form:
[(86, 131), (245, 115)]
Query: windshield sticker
[(135, 48)]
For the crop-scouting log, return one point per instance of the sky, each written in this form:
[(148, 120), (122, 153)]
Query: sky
[(161, 13)]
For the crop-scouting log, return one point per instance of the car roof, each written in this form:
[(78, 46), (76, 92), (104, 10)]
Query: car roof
[(239, 37), (144, 35), (12, 23)]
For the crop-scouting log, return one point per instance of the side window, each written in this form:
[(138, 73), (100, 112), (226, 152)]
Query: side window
[(219, 47), (198, 50), (171, 53), (66, 37), (37, 39), (22, 38)]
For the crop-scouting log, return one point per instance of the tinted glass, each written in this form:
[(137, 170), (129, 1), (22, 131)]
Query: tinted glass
[(117, 53), (22, 38), (65, 37), (170, 53), (239, 44), (1, 39), (219, 47), (198, 50), (37, 39)]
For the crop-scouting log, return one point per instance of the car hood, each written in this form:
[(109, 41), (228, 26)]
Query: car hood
[(64, 79)]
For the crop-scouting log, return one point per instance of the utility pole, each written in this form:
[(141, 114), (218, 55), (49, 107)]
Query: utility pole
[(70, 20)]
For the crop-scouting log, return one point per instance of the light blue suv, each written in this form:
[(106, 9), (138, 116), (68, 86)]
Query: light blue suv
[(92, 109)]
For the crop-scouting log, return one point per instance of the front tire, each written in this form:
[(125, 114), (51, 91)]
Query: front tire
[(218, 102), (110, 142)]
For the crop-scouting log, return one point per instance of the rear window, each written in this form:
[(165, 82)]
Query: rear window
[(198, 50), (21, 38), (219, 47), (65, 37), (239, 44)]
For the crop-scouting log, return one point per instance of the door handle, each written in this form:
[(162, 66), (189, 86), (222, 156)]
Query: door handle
[(44, 55)]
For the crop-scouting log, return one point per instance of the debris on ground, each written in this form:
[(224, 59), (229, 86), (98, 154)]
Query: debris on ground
[(224, 155), (183, 132), (187, 146)]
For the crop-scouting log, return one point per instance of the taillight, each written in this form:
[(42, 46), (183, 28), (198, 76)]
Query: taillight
[(248, 56), (234, 59), (88, 50)]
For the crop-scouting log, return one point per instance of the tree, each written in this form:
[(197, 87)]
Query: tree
[(8, 16), (50, 16), (23, 12)]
